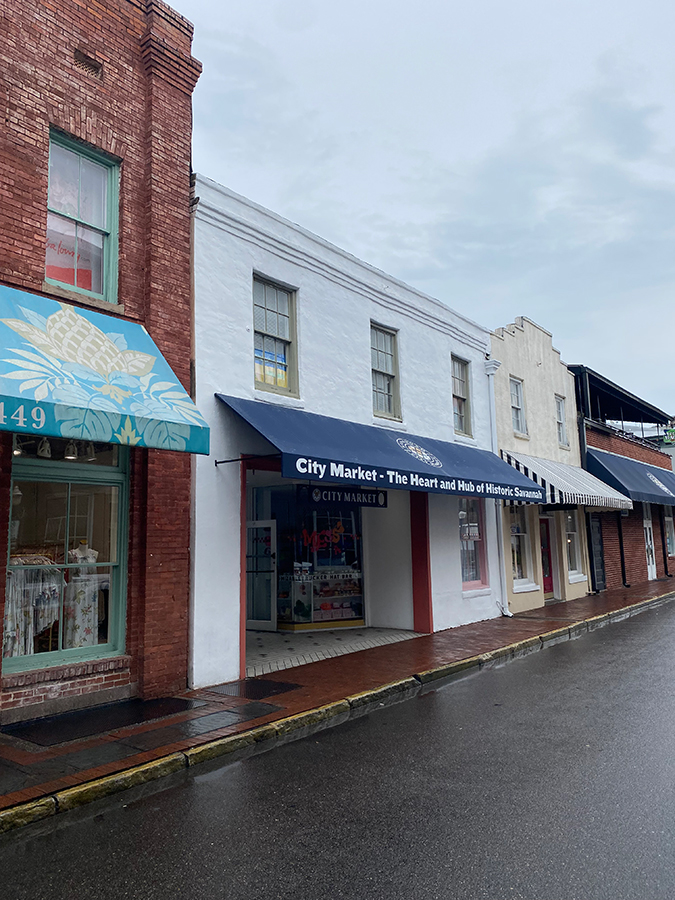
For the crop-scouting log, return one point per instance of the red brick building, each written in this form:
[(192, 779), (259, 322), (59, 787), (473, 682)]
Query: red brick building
[(636, 545), (94, 248)]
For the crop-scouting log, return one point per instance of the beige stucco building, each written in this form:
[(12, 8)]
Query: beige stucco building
[(545, 547)]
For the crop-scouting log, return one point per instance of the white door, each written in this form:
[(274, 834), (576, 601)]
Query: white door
[(261, 575), (649, 541)]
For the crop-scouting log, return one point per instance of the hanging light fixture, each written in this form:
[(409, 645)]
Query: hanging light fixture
[(44, 449), (17, 496), (91, 453), (18, 447), (71, 450)]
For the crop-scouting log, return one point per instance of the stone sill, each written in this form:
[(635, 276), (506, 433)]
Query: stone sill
[(66, 672)]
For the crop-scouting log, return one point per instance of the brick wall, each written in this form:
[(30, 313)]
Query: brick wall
[(614, 443), (138, 110), (634, 546)]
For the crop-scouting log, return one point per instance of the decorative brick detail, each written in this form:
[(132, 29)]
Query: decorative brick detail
[(66, 673), (137, 109), (614, 443)]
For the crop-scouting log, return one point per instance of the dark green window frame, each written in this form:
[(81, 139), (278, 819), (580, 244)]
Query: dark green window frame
[(110, 232), (75, 473)]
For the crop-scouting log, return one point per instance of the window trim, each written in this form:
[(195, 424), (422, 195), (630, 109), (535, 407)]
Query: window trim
[(468, 432), (293, 389), (578, 574), (519, 382), (394, 416), (484, 581), (67, 472), (670, 533), (111, 241), (521, 585), (561, 406)]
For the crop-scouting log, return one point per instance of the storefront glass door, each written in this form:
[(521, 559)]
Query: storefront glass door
[(261, 575), (546, 566), (649, 541)]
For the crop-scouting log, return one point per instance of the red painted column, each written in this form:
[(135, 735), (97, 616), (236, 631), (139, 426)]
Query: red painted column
[(423, 621), (242, 563)]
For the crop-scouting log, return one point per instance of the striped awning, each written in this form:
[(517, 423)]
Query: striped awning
[(565, 484)]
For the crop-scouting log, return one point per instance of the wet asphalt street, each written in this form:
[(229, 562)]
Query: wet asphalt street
[(550, 778)]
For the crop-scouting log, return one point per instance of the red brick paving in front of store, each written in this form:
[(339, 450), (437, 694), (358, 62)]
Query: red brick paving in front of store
[(28, 771)]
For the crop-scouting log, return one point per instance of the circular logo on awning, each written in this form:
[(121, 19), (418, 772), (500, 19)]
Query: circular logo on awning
[(660, 484), (419, 453)]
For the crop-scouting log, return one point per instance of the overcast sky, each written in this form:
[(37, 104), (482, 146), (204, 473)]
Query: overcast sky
[(509, 157)]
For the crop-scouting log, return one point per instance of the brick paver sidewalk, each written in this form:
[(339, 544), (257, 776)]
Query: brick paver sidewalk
[(49, 759)]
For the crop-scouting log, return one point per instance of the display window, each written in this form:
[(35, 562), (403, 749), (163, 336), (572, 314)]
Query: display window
[(66, 565), (472, 543), (318, 557)]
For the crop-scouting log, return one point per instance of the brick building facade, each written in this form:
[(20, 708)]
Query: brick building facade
[(106, 87), (629, 527), (636, 545)]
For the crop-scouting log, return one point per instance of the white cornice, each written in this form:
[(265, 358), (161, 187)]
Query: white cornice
[(238, 227)]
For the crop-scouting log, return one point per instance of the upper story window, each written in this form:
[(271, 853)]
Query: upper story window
[(82, 220), (518, 406), (460, 396), (384, 365), (560, 421), (274, 326)]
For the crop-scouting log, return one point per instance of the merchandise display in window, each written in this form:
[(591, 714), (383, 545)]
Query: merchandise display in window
[(319, 568), (63, 560)]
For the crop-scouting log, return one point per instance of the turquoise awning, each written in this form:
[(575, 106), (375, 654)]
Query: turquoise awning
[(74, 373)]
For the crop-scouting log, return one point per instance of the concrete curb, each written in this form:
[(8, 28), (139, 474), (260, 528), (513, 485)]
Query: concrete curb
[(297, 726), (16, 816), (113, 784), (446, 671)]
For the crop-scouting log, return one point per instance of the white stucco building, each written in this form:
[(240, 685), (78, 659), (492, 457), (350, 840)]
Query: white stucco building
[(545, 546), (355, 480)]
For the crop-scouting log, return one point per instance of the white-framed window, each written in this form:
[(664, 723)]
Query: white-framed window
[(560, 421), (517, 406), (670, 533), (521, 565), (460, 396), (274, 337), (384, 365), (572, 543), (472, 543)]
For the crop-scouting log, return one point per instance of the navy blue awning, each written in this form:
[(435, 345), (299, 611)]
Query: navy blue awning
[(637, 480), (320, 448)]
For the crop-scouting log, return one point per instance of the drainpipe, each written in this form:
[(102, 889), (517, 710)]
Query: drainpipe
[(491, 366), (621, 551)]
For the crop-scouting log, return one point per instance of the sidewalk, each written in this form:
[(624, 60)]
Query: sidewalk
[(56, 764)]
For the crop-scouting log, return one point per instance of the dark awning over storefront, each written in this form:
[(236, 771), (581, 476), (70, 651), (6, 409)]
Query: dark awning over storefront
[(320, 448), (639, 481), (74, 373)]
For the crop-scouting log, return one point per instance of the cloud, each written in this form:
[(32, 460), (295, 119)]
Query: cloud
[(472, 166)]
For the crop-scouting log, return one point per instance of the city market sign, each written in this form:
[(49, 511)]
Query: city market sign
[(333, 471), (339, 498)]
